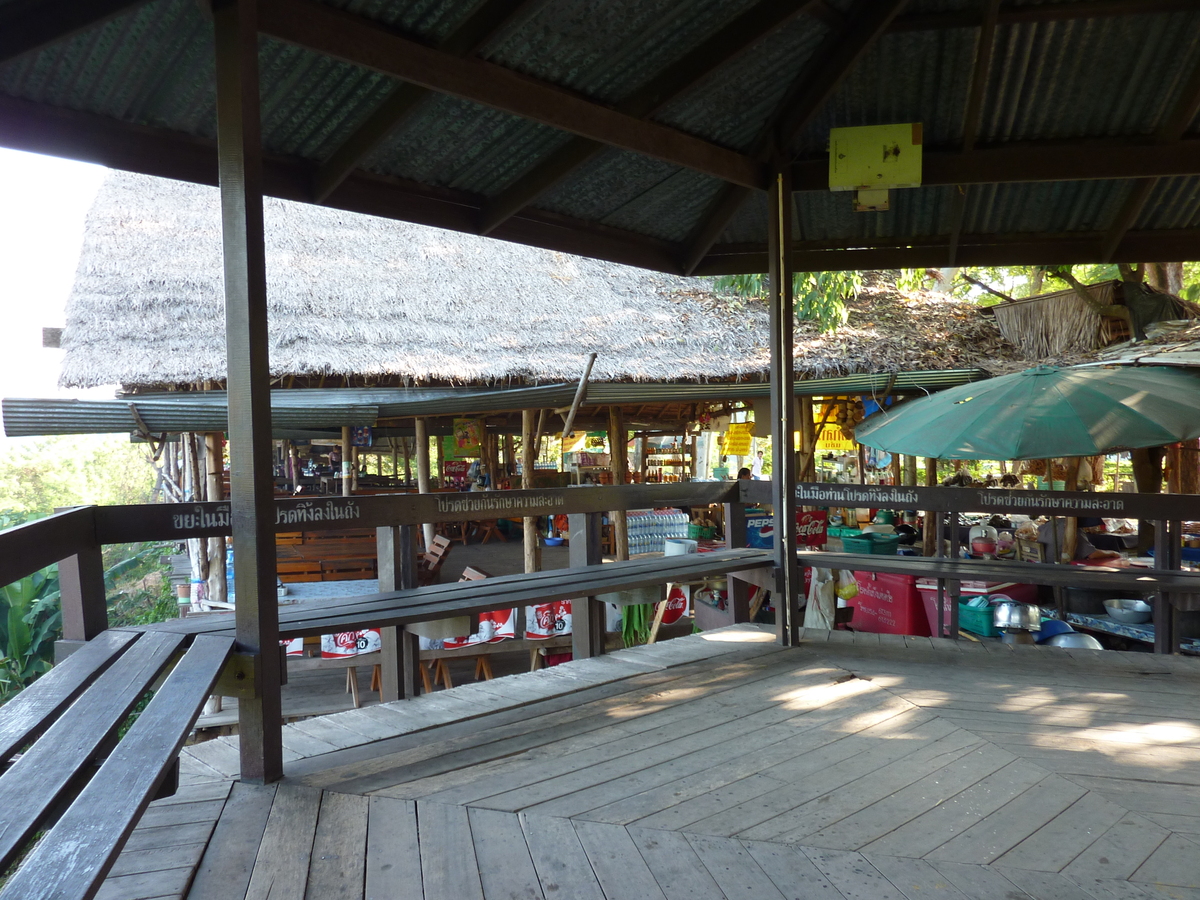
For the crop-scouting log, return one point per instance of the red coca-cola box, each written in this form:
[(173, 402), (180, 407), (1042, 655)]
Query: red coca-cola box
[(888, 604)]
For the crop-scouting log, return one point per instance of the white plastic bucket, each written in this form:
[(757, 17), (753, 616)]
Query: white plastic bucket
[(679, 546)]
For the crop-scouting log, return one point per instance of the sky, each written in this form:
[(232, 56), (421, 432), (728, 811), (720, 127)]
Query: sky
[(45, 201)]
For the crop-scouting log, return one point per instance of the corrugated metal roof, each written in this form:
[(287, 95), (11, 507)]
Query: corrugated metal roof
[(293, 411), (1084, 78)]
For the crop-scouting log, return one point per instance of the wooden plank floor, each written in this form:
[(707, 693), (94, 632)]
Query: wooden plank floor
[(852, 766)]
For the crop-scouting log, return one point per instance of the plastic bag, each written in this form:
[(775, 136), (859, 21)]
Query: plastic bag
[(822, 601), (847, 587)]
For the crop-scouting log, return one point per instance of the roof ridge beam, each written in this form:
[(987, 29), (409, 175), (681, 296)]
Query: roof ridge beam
[(353, 39), (821, 76), (471, 36), (731, 39)]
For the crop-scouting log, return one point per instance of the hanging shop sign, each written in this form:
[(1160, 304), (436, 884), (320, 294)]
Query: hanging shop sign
[(738, 439)]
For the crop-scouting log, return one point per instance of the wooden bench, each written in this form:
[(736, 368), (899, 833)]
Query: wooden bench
[(440, 601), (75, 759)]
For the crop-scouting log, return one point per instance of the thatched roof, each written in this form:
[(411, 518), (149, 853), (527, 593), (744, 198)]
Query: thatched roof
[(353, 295)]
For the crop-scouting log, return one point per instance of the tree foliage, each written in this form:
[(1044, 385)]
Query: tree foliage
[(39, 474), (820, 297)]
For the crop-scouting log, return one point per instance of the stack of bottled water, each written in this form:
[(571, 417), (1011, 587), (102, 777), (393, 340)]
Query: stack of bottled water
[(649, 528)]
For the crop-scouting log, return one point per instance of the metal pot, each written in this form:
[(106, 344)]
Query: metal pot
[(1075, 640), (1021, 616)]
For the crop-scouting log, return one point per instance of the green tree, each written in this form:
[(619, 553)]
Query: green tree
[(39, 474), (821, 297)]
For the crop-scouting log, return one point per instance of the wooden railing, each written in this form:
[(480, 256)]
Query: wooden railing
[(74, 538)]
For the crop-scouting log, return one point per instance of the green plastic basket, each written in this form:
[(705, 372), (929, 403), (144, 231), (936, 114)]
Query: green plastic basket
[(877, 544), (977, 621)]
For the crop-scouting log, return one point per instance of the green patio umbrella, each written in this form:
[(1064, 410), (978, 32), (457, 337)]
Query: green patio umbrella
[(1044, 412)]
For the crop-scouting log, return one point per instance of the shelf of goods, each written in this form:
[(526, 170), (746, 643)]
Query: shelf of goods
[(667, 465)]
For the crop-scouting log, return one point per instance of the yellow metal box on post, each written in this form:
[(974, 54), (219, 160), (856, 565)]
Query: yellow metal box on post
[(872, 159)]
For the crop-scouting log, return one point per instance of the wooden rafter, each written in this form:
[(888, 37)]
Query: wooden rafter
[(353, 39), (825, 71), (467, 39), (25, 27), (98, 139), (1170, 131), (732, 39), (973, 114), (974, 250)]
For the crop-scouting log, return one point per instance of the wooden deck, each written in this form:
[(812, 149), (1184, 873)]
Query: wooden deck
[(852, 766)]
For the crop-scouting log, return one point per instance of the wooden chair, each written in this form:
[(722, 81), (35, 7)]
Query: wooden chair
[(487, 529), (454, 531), (483, 666), (429, 564)]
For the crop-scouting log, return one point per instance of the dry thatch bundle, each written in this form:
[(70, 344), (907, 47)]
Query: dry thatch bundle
[(360, 297), (1051, 326)]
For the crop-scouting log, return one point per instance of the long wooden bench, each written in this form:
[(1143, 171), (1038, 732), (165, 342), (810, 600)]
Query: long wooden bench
[(75, 761), (439, 601)]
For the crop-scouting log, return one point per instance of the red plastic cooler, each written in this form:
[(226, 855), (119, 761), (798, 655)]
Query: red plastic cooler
[(888, 604)]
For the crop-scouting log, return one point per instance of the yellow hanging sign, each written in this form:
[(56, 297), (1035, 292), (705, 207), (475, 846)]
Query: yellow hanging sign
[(738, 439)]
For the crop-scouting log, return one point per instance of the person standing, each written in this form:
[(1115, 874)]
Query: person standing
[(756, 467)]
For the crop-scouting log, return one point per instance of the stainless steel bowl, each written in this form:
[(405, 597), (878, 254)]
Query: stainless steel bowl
[(1130, 612), (1021, 616), (1075, 640)]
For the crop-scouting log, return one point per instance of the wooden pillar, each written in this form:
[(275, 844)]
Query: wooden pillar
[(423, 474), (214, 459), (407, 461), (239, 160), (400, 654), (808, 442), (533, 542), (347, 462), (783, 460), (587, 613), (83, 601), (618, 442), (910, 470), (932, 540), (441, 473)]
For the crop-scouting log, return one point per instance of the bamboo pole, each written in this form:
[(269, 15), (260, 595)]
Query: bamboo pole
[(407, 461), (575, 403), (618, 441), (533, 543), (808, 442)]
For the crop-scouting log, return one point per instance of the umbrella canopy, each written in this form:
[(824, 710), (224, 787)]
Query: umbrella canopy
[(1044, 412)]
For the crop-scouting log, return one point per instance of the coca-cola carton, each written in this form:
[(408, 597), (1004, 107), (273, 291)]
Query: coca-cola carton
[(810, 530)]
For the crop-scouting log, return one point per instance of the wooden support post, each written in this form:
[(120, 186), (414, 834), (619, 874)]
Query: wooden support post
[(84, 606), (407, 461), (618, 442), (910, 470), (347, 462), (587, 613), (1164, 639), (808, 442), (533, 541), (783, 459), (930, 536), (400, 659), (239, 159), (423, 473)]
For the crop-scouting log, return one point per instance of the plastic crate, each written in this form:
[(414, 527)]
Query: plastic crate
[(977, 621), (876, 544)]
